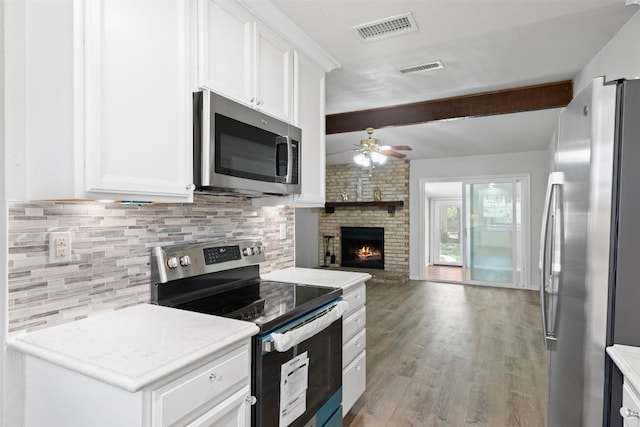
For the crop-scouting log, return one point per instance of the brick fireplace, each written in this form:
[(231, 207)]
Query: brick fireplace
[(392, 180)]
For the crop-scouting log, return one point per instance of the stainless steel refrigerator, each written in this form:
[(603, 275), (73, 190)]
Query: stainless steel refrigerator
[(590, 244)]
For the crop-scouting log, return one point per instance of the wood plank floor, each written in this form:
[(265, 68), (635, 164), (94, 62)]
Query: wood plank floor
[(442, 354)]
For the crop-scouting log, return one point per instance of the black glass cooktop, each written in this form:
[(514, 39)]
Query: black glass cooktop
[(268, 304)]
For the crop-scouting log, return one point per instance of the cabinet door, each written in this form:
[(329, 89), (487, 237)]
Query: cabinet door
[(273, 73), (225, 46), (309, 115), (137, 101), (354, 382)]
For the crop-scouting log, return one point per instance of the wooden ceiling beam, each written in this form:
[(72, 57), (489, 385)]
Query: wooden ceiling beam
[(517, 100)]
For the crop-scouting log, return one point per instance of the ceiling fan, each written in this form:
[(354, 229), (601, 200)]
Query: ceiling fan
[(370, 152)]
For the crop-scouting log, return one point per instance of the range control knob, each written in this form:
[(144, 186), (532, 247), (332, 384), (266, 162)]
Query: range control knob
[(247, 251), (172, 262), (185, 260)]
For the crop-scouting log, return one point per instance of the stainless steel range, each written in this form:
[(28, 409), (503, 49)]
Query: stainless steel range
[(297, 355)]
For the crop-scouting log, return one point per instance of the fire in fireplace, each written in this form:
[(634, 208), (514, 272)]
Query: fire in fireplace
[(362, 247)]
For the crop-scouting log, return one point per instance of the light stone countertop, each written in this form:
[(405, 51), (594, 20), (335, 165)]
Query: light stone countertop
[(627, 359), (320, 277), (136, 346)]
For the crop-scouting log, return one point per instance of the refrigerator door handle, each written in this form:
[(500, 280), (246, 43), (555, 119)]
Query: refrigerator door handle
[(556, 179)]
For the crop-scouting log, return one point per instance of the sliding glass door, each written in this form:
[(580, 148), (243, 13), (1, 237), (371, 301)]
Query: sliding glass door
[(447, 229), (493, 240)]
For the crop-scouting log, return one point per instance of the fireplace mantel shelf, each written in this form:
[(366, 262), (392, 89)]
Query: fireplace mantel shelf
[(329, 207)]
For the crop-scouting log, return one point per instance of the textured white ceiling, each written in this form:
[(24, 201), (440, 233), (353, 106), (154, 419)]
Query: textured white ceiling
[(484, 45)]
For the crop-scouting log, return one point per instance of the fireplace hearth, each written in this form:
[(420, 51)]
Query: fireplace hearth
[(362, 247)]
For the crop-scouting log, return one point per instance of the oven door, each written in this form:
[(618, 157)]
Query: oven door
[(321, 357)]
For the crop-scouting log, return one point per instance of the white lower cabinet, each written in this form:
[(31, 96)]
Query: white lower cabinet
[(354, 347), (216, 393), (630, 410), (233, 412), (354, 381)]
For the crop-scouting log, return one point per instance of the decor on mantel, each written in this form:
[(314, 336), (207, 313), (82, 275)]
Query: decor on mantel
[(377, 195), (359, 190)]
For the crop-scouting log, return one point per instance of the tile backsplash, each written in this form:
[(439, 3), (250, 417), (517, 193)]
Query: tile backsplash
[(111, 251)]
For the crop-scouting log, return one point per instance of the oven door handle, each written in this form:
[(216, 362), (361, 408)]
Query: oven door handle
[(283, 342)]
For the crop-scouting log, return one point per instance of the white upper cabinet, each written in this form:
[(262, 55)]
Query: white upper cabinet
[(225, 49), (108, 100), (243, 59), (137, 99), (273, 73), (310, 117), (101, 92)]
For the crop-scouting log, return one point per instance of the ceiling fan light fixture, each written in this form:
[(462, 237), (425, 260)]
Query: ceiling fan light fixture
[(362, 159), (378, 158)]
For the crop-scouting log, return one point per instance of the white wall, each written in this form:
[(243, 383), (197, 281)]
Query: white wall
[(535, 164), (619, 58)]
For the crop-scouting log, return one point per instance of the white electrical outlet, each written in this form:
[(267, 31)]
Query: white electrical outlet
[(59, 246), (283, 231)]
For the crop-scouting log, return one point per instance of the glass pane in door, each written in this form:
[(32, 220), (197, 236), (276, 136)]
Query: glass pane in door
[(448, 248), (491, 231)]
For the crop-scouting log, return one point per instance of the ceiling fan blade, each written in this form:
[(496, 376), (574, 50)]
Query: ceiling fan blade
[(353, 150), (394, 147), (393, 154)]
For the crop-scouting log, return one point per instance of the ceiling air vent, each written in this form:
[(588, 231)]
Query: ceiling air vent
[(421, 67), (387, 27)]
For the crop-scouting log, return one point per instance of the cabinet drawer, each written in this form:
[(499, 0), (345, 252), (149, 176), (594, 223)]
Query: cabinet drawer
[(352, 324), (356, 299), (208, 384), (354, 381), (354, 347), (233, 412), (631, 401)]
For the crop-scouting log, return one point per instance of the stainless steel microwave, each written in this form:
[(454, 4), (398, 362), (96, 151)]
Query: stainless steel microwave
[(241, 150)]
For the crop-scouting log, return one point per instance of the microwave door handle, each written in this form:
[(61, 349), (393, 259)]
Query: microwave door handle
[(289, 160), (205, 143), (281, 140)]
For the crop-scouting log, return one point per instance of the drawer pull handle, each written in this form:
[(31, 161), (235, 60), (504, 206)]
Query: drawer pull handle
[(629, 413), (214, 377), (251, 400)]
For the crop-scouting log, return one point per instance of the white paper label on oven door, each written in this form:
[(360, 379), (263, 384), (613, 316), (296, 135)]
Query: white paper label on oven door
[(294, 381)]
